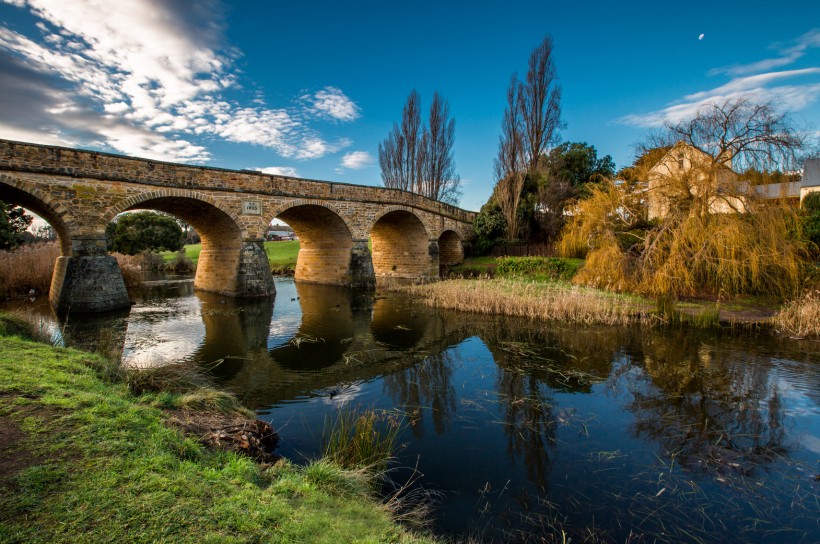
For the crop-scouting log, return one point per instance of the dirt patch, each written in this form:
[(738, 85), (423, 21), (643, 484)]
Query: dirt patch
[(746, 316), (12, 461), (749, 316), (15, 457), (251, 437)]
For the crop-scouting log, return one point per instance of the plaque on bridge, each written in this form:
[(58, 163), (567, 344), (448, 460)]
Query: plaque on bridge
[(251, 207)]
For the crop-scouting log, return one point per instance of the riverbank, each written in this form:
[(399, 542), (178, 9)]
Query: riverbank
[(83, 459)]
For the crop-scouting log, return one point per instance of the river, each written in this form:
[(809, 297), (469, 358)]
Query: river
[(520, 429)]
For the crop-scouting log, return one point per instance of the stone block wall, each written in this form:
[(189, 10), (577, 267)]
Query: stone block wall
[(74, 163)]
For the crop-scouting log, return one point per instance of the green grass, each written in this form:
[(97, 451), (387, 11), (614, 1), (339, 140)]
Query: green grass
[(104, 467), (191, 250), (474, 267), (281, 255)]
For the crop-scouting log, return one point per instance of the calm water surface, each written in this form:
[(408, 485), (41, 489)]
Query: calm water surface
[(639, 435)]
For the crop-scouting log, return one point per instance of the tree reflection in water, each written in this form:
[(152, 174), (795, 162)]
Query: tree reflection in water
[(426, 386), (529, 424), (713, 410)]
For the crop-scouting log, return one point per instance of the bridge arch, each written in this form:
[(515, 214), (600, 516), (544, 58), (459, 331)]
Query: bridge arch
[(325, 242), (19, 192), (450, 248), (218, 268), (401, 245), (181, 203)]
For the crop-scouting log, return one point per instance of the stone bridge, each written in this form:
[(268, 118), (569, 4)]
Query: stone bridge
[(80, 192)]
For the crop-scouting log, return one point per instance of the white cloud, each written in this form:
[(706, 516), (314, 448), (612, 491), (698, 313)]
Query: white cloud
[(279, 171), (156, 68), (788, 55), (356, 160), (333, 103), (756, 87)]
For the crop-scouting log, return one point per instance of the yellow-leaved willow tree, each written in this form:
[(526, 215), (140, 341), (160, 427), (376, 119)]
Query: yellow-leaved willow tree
[(682, 222)]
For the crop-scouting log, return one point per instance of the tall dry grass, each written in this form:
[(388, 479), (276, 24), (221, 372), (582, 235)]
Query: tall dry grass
[(131, 267), (800, 317), (27, 267), (535, 300), (31, 266)]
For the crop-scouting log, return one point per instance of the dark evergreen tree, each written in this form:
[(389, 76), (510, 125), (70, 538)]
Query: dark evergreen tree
[(13, 223), (134, 233)]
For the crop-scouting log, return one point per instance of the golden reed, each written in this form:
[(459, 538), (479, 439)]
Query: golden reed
[(533, 300), (28, 267), (800, 317)]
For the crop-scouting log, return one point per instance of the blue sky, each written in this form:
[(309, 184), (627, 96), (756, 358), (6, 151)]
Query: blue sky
[(310, 89)]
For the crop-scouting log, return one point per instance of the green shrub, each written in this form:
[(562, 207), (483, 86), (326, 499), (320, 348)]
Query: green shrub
[(553, 268), (811, 221), (489, 228), (811, 202)]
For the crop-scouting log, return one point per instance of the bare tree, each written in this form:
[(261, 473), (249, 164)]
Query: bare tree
[(419, 158), (400, 154), (540, 103), (510, 163), (530, 124), (439, 179), (738, 134)]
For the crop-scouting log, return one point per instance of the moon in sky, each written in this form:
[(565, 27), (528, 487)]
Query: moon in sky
[(701, 36)]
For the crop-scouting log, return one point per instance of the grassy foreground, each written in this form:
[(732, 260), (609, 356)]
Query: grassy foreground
[(84, 460)]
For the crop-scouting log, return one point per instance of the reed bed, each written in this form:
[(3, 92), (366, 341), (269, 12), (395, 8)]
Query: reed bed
[(800, 317), (28, 267), (532, 299)]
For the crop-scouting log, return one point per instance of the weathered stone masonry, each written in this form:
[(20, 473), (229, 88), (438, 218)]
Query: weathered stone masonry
[(80, 192)]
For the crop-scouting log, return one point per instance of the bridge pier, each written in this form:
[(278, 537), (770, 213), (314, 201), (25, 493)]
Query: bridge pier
[(361, 265), (433, 253), (254, 278), (88, 281)]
